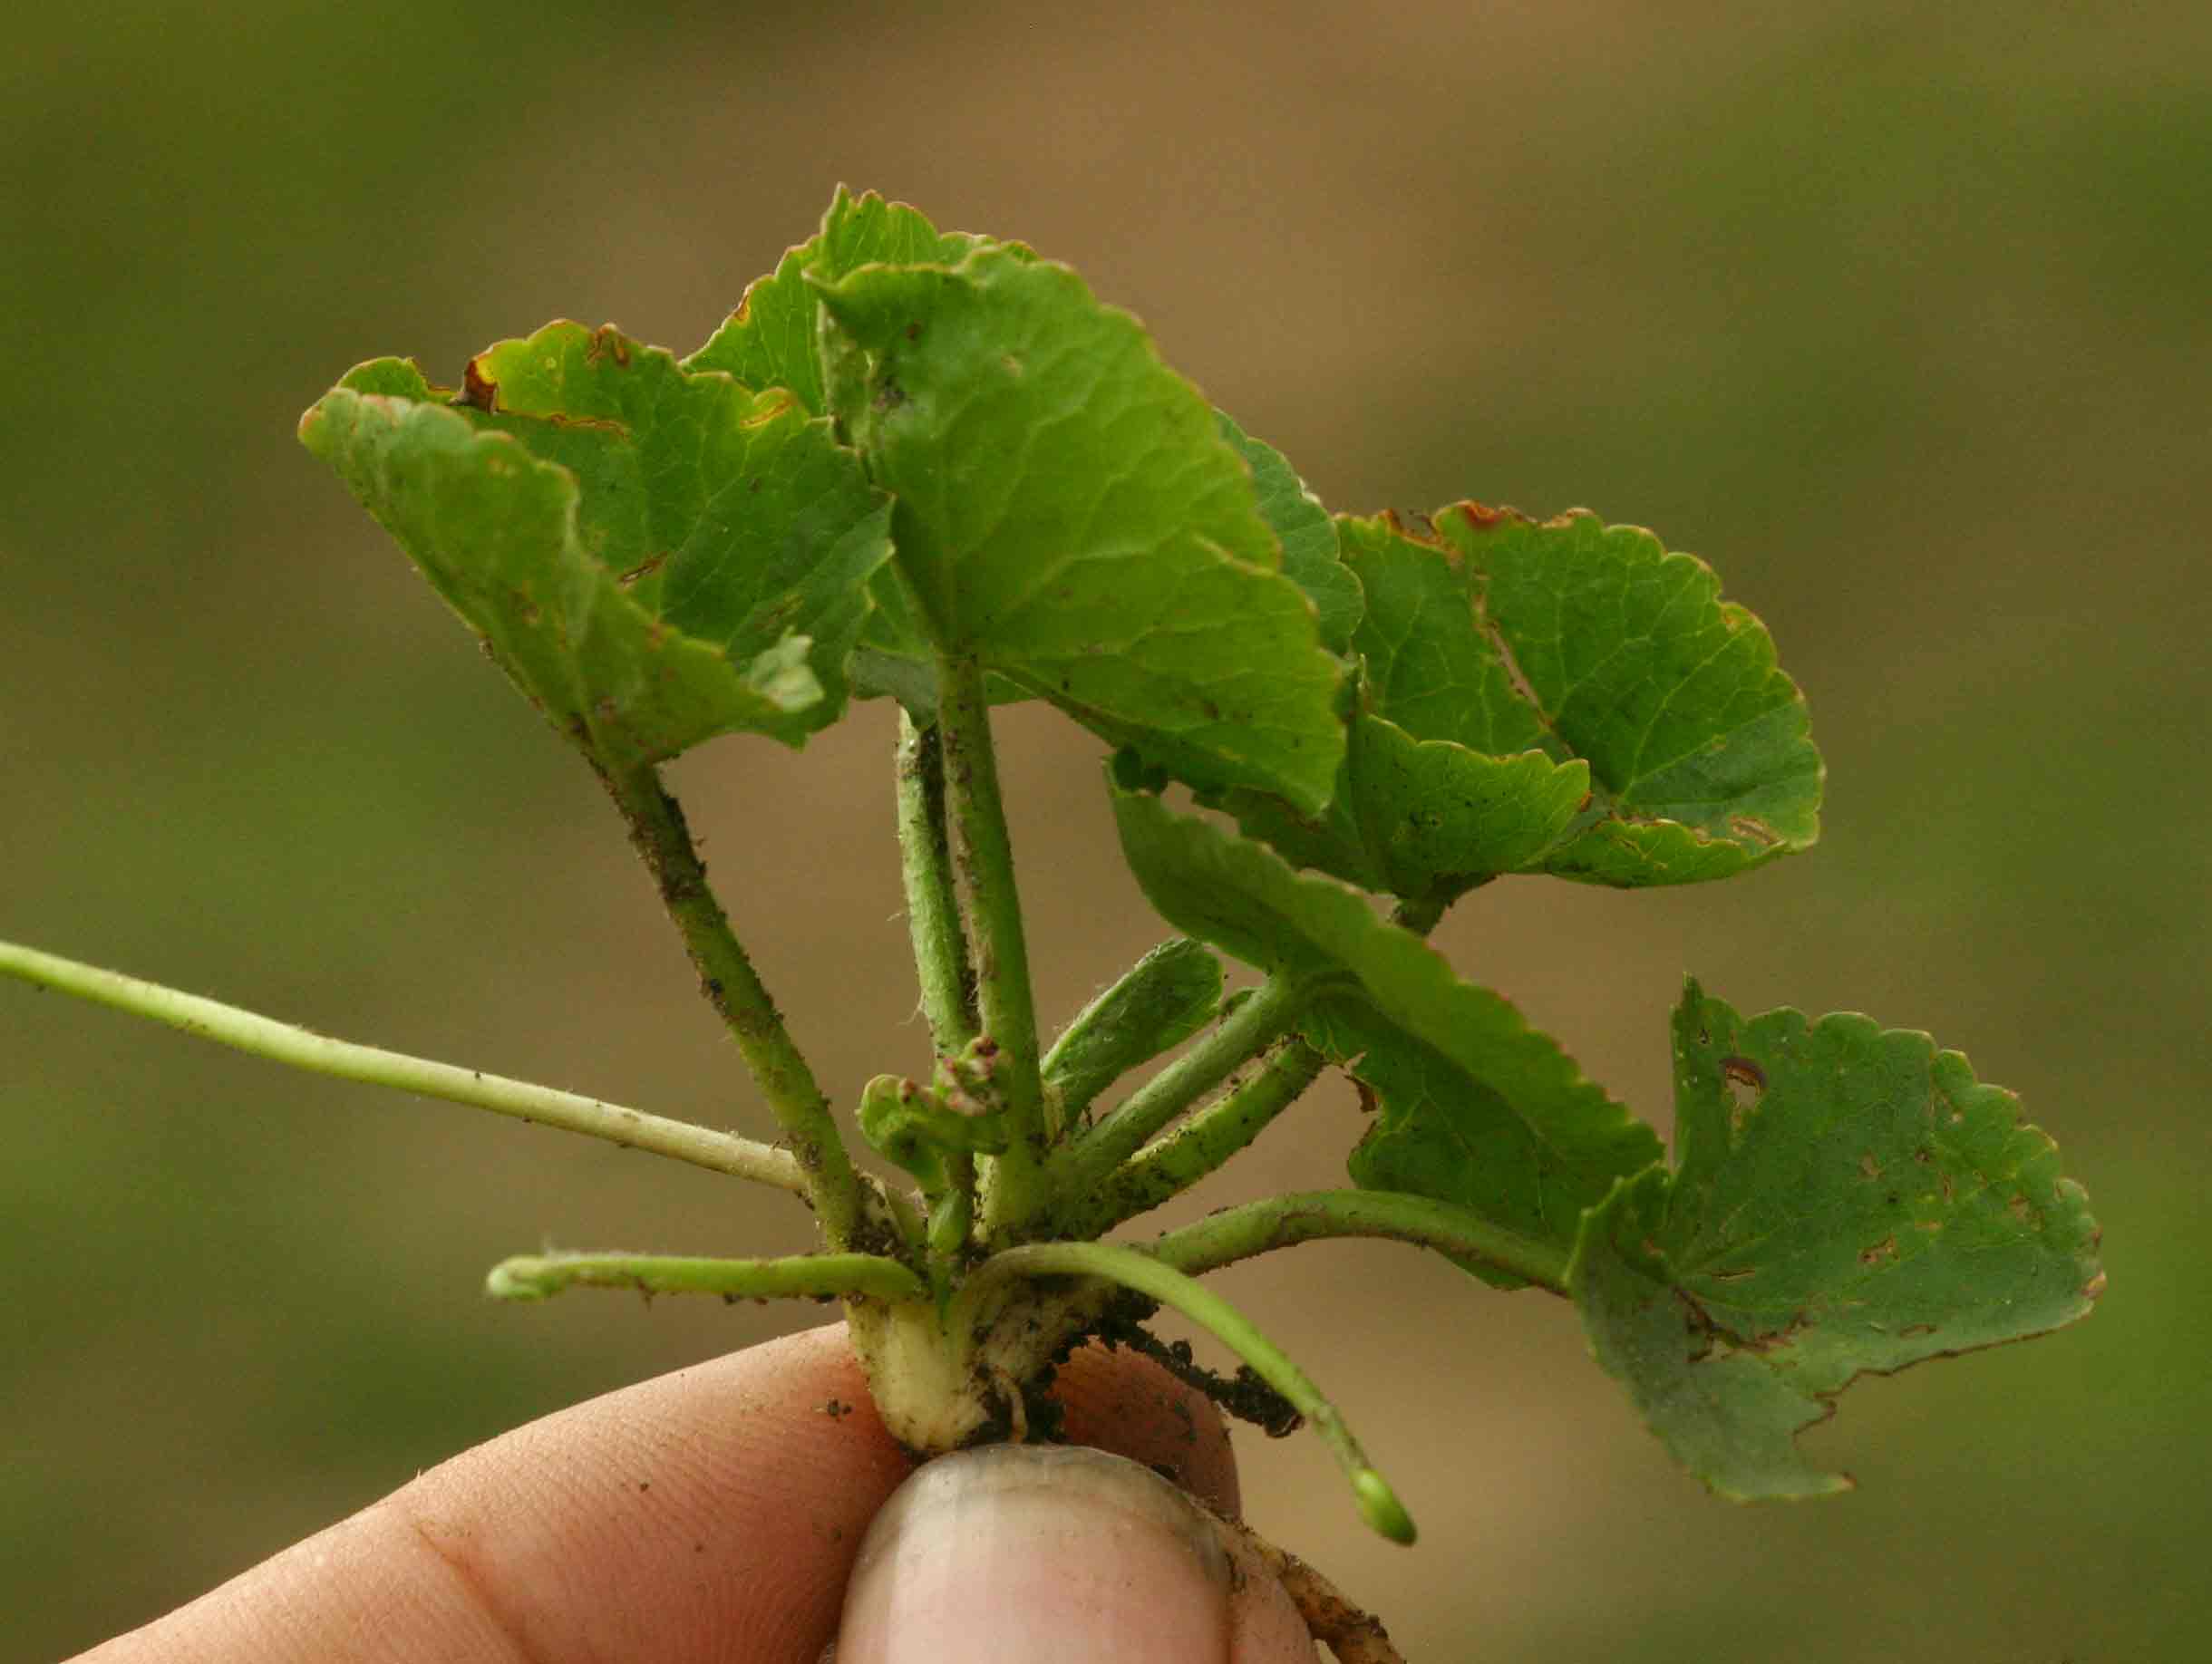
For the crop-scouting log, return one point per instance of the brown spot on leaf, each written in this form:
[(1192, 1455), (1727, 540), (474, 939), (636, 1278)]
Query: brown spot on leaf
[(1913, 1331), (773, 404), (1868, 1167), (1754, 831), (1881, 1254), (2093, 1287), (1746, 1083), (1483, 517), (1413, 526), (1768, 1340), (478, 390), (644, 569), (606, 341), (1744, 1071)]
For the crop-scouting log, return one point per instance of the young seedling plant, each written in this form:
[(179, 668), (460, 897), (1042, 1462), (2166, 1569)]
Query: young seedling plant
[(932, 468)]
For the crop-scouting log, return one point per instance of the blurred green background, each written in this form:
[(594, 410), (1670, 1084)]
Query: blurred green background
[(1897, 314)]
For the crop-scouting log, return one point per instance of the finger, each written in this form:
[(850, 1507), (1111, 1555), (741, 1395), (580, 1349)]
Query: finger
[(1060, 1553), (1117, 1402), (710, 1514)]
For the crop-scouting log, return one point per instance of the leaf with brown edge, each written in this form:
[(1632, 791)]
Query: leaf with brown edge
[(1700, 766), (1844, 1199), (654, 555), (1563, 697)]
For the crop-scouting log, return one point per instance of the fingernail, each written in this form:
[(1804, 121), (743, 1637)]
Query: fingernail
[(1020, 1553)]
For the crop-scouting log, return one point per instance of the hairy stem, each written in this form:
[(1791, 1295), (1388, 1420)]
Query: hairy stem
[(735, 990), (1279, 1221), (817, 1276), (984, 856), (1216, 1133), (933, 907), (1207, 1140), (1120, 1133), (281, 1042), (1135, 1269)]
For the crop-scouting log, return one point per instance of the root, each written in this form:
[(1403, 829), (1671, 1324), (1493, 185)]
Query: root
[(1354, 1636)]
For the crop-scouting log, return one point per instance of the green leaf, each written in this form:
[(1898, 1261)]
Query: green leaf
[(1308, 534), (1561, 697), (1446, 782), (655, 556), (1846, 1198), (1068, 511), (1445, 779), (1477, 1108), (1418, 817), (1161, 1001), (769, 340), (1700, 762)]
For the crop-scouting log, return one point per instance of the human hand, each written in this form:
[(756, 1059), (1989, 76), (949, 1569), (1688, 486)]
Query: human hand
[(716, 1513)]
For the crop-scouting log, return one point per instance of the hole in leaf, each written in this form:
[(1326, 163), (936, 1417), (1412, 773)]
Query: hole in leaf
[(1746, 1082)]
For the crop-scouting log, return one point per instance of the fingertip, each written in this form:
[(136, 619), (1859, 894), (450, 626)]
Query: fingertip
[(1058, 1552)]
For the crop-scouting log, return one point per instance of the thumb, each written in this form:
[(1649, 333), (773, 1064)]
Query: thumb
[(1020, 1553)]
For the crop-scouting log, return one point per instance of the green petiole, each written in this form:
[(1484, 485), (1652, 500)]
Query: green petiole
[(1133, 1268), (282, 1043), (805, 1276)]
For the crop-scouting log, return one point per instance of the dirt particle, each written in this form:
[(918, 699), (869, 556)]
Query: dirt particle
[(837, 1409)]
